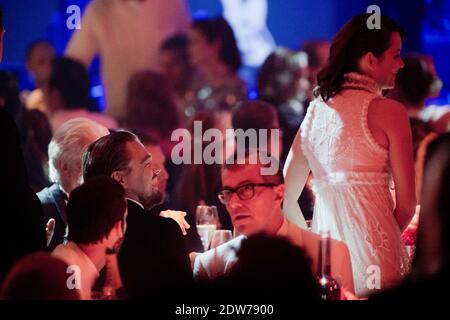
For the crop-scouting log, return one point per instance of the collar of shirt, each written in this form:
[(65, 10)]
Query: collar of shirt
[(138, 203)]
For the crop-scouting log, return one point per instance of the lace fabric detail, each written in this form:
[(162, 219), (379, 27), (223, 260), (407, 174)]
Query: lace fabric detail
[(354, 80), (365, 127)]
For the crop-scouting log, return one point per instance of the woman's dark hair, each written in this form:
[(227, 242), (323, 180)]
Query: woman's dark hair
[(414, 80), (353, 41), (219, 29)]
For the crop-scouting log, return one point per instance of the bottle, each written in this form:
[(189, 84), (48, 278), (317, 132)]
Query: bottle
[(329, 287)]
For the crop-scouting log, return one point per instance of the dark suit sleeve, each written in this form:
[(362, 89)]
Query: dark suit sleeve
[(176, 250)]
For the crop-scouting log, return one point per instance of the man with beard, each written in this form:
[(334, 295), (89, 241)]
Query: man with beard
[(153, 258), (96, 214)]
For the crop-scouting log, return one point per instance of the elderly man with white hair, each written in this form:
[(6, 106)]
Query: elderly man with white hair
[(64, 152)]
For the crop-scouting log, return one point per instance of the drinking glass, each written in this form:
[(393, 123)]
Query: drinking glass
[(220, 237), (206, 222)]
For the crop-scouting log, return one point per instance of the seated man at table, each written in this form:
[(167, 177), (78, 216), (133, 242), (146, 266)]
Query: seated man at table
[(253, 199), (152, 260), (96, 214)]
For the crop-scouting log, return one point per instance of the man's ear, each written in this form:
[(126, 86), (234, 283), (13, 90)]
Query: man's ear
[(119, 177), (279, 193)]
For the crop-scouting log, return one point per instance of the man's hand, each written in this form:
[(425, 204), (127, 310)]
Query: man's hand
[(178, 216), (49, 230)]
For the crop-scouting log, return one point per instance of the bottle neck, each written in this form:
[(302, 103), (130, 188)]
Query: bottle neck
[(325, 255)]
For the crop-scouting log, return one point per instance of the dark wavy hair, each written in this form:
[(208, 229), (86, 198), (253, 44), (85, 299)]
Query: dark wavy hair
[(353, 41), (219, 29)]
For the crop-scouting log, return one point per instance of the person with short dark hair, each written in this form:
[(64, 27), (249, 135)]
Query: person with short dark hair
[(174, 59), (68, 94), (153, 259), (96, 215), (259, 115), (39, 56), (252, 192)]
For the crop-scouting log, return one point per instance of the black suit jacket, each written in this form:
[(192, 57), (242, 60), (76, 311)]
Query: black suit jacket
[(54, 205), (23, 228), (153, 261)]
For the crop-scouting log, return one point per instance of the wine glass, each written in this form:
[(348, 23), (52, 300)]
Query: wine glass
[(220, 237), (206, 222)]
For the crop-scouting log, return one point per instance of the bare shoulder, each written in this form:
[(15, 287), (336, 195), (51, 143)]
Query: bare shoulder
[(387, 107)]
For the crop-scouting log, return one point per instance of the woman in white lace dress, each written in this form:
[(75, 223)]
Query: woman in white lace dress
[(355, 141)]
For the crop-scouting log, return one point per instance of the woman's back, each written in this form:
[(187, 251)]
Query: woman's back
[(336, 138), (351, 181)]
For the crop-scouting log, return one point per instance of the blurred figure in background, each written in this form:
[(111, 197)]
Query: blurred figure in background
[(282, 82), (318, 52), (199, 183), (177, 68), (35, 135), (417, 82), (127, 35), (39, 56), (9, 93), (68, 97), (259, 116), (151, 107), (213, 51), (38, 276)]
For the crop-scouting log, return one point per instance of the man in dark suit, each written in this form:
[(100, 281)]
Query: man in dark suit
[(64, 153), (23, 227), (153, 260)]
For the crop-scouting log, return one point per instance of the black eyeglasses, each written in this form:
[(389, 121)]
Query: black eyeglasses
[(244, 192)]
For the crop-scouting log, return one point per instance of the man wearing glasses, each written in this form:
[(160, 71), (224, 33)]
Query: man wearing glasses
[(254, 203)]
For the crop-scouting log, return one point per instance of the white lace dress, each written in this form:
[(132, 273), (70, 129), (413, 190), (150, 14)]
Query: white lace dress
[(351, 178)]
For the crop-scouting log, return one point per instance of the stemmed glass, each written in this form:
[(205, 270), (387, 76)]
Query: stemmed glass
[(220, 237), (206, 221)]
